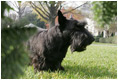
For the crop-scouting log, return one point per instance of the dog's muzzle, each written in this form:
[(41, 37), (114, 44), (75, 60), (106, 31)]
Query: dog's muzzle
[(80, 45)]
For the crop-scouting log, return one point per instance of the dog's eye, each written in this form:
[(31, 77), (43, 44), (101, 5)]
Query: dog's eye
[(82, 24), (78, 26)]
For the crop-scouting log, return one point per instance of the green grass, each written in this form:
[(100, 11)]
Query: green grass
[(97, 62)]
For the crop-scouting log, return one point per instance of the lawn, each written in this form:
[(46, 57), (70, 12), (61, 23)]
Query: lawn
[(97, 62)]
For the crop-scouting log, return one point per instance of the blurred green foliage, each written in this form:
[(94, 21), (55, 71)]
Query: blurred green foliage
[(97, 38), (27, 19), (104, 12), (109, 40), (5, 22), (112, 39), (32, 18), (14, 56)]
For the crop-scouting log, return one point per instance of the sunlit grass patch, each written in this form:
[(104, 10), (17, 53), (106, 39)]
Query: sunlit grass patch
[(96, 62)]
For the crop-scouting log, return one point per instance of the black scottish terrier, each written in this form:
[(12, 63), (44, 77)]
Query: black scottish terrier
[(49, 47)]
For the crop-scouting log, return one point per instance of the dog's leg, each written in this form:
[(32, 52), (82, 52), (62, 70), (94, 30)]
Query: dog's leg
[(60, 67), (35, 70), (35, 63)]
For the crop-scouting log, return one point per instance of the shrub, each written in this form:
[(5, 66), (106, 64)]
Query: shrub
[(13, 55), (109, 40), (114, 40), (102, 40), (97, 38)]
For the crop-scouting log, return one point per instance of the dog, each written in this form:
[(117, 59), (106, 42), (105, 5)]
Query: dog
[(49, 47)]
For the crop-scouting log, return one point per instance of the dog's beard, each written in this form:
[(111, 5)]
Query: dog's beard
[(78, 43), (76, 46)]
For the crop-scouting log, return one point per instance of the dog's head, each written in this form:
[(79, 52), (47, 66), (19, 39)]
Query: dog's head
[(76, 32)]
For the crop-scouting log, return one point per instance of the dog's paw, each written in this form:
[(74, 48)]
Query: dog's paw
[(62, 68)]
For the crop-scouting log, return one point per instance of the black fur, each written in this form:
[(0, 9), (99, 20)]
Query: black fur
[(49, 47)]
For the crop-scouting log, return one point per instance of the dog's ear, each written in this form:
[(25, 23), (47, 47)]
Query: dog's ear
[(61, 18)]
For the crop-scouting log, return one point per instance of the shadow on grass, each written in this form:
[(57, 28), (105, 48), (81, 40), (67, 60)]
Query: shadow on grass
[(91, 72)]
